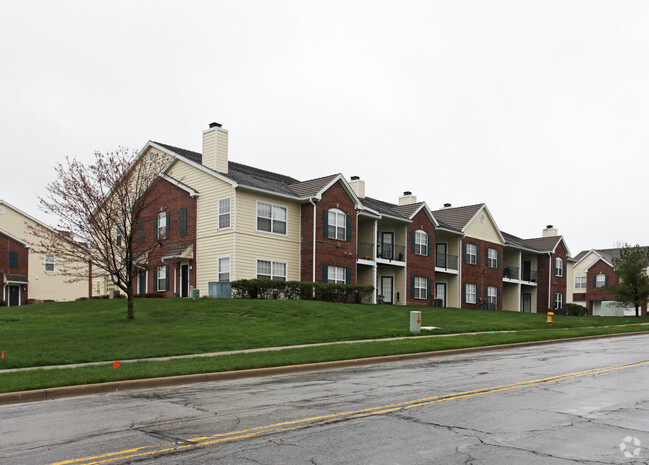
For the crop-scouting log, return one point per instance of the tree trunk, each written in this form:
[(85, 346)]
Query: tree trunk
[(129, 298)]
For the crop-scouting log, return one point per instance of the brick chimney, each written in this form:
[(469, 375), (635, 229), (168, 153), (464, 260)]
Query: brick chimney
[(407, 198), (358, 186), (215, 148)]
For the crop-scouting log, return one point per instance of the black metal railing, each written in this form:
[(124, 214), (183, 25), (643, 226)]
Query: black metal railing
[(446, 261), (530, 275), (511, 272), (389, 251), (365, 250)]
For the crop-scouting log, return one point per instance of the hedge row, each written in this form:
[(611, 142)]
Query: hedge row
[(329, 292), (575, 310)]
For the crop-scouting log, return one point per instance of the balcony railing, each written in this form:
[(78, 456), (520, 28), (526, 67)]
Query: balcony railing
[(388, 251), (514, 272), (446, 261), (530, 275), (365, 250)]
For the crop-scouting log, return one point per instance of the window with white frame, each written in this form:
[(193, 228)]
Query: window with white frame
[(224, 269), (558, 267), (163, 225), (471, 254), (421, 243), (224, 213), (336, 224), (336, 274), (600, 280), (492, 295), (161, 276), (558, 300), (50, 261), (470, 293), (271, 218), (268, 269), (421, 288), (580, 282), (492, 258)]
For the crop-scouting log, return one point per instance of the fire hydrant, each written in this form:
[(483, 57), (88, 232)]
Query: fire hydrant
[(550, 315)]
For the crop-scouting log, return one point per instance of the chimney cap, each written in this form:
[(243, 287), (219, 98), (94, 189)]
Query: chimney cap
[(215, 125), (355, 178), (447, 205), (549, 226), (407, 193)]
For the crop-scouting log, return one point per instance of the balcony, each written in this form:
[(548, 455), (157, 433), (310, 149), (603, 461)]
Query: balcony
[(365, 251), (446, 261), (390, 252), (514, 273), (530, 275)]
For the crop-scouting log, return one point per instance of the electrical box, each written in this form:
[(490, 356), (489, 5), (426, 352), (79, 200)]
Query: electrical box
[(415, 322)]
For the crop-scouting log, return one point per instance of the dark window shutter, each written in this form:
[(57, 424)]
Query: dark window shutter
[(155, 226), (498, 296), (605, 280), (348, 279), (183, 221), (428, 288), (325, 274), (349, 228), (412, 247), (595, 281), (140, 232), (430, 240), (167, 279), (155, 279), (477, 254), (466, 254), (464, 293), (412, 286), (325, 230), (477, 294), (497, 258), (13, 259)]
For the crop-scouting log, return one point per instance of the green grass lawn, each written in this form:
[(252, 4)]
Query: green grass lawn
[(97, 330)]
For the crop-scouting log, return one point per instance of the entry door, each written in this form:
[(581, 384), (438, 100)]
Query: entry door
[(387, 246), (440, 293), (14, 296), (527, 270), (440, 255), (386, 289), (184, 280), (527, 302)]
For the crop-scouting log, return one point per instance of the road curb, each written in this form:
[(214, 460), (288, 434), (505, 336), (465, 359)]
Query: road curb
[(38, 395)]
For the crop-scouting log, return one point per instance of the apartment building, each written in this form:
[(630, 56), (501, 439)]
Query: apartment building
[(218, 220), (14, 265)]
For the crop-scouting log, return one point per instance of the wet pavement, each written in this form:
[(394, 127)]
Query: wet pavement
[(580, 402)]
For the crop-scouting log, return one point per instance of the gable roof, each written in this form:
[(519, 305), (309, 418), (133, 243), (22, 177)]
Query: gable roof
[(11, 236), (457, 217), (608, 255), (312, 187), (27, 215)]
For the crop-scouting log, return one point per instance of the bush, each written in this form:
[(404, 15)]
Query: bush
[(576, 310), (151, 295), (3, 303), (329, 292)]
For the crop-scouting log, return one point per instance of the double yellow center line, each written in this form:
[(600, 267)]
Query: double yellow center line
[(203, 441)]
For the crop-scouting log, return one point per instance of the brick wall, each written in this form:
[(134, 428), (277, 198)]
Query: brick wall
[(8, 245), (167, 197), (329, 251), (480, 274), (420, 265)]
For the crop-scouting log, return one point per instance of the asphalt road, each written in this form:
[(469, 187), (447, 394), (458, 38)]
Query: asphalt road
[(583, 402)]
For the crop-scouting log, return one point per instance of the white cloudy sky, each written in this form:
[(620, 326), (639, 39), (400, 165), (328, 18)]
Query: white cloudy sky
[(538, 108)]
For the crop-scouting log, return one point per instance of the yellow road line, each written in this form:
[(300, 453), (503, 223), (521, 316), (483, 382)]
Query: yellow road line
[(330, 418)]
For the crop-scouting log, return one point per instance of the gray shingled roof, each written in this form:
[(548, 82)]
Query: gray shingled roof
[(514, 241), (543, 244), (407, 210), (382, 207), (311, 187), (458, 217), (607, 254)]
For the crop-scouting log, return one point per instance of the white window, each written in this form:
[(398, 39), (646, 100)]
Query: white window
[(161, 275), (224, 213), (492, 258), (471, 255), (224, 269), (600, 280), (421, 243), (118, 236), (558, 267), (336, 224), (267, 269), (470, 296), (162, 225), (558, 300), (421, 288), (271, 218), (50, 260), (580, 282), (492, 295), (336, 274)]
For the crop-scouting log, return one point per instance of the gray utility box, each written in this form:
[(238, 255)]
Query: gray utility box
[(219, 290), (415, 322)]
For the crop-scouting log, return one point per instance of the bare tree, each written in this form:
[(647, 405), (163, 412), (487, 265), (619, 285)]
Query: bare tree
[(99, 206)]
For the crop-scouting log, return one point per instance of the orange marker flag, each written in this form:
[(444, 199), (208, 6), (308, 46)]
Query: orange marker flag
[(115, 364)]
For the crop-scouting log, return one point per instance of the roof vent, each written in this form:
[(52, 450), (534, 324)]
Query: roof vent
[(216, 125), (447, 205), (355, 178)]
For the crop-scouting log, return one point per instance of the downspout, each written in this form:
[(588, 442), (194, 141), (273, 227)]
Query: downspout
[(314, 236), (549, 279)]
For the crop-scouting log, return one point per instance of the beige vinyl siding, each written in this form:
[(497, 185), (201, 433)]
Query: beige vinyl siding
[(210, 242), (512, 258), (485, 231), (451, 291), (222, 151), (575, 270), (400, 286), (42, 285), (365, 275), (253, 244), (209, 142), (570, 281), (511, 297)]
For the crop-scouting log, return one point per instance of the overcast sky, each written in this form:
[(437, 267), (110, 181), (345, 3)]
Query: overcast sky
[(539, 109)]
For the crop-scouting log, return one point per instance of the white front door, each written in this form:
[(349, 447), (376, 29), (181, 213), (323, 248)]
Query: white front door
[(386, 289), (440, 292)]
